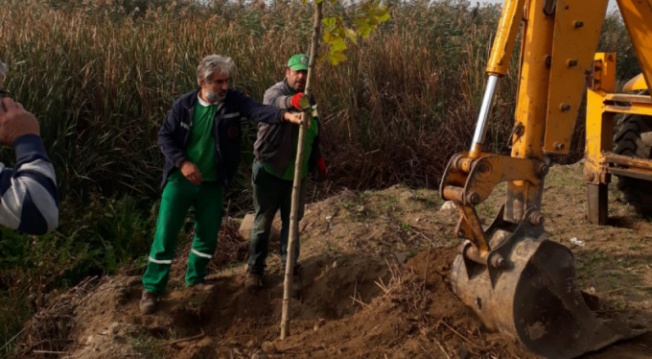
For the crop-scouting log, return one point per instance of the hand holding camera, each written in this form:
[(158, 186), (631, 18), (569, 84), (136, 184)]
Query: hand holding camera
[(15, 122)]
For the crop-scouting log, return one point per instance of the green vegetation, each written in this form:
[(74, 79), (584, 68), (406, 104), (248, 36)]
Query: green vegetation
[(101, 75)]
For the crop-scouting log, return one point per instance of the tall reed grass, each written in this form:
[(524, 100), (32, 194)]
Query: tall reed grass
[(101, 75)]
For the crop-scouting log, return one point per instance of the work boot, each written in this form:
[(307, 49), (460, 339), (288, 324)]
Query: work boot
[(297, 283), (253, 281), (148, 302)]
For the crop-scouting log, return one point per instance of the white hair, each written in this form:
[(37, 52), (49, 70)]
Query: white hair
[(211, 64)]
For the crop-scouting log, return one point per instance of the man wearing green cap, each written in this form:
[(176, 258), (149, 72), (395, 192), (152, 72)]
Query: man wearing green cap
[(273, 169)]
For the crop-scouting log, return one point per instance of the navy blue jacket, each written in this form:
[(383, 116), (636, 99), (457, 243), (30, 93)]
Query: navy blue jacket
[(173, 135)]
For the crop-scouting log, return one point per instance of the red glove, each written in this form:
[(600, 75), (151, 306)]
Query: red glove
[(296, 100), (321, 166)]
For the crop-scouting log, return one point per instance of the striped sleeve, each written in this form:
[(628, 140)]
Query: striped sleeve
[(28, 194)]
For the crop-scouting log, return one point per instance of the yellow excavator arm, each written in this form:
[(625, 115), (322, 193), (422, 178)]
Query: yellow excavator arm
[(509, 273)]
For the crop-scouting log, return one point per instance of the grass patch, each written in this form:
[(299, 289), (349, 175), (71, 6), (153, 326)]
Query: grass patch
[(15, 309)]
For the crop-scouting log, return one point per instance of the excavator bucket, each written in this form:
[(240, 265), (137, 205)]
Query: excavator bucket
[(534, 297)]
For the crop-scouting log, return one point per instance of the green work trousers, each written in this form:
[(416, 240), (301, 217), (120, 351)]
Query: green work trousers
[(178, 195), (271, 194)]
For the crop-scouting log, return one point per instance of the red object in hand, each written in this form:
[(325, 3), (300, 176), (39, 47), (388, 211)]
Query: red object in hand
[(321, 166), (296, 100)]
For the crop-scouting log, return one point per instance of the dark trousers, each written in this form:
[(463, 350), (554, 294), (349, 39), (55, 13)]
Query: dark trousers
[(271, 193)]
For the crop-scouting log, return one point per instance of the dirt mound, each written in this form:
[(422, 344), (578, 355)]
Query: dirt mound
[(374, 286)]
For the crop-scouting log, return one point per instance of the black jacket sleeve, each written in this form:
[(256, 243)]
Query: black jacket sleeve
[(168, 136), (256, 111)]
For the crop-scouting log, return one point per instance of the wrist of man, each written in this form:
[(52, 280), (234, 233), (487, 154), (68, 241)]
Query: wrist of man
[(26, 146), (283, 112)]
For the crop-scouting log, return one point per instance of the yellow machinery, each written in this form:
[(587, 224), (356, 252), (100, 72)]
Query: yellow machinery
[(509, 273), (629, 155)]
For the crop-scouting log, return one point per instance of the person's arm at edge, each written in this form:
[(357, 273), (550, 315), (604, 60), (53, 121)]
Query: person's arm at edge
[(29, 201)]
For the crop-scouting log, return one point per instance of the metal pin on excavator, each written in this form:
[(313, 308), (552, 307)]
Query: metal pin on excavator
[(510, 274)]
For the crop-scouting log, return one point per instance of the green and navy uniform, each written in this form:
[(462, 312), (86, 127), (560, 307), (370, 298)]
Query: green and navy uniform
[(207, 135)]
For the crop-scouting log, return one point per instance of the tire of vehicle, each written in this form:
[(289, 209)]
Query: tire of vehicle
[(634, 139)]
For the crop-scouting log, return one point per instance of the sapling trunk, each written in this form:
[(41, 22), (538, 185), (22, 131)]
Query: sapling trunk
[(296, 187)]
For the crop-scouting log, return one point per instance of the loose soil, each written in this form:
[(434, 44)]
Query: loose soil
[(375, 285)]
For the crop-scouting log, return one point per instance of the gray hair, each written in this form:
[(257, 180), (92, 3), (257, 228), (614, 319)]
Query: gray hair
[(3, 72), (211, 64)]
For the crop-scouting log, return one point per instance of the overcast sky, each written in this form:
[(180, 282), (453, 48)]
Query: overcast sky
[(612, 3)]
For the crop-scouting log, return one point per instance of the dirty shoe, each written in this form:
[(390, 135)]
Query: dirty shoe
[(253, 281), (148, 303), (297, 284)]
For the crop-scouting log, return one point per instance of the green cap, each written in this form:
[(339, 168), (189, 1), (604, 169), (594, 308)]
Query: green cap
[(299, 62)]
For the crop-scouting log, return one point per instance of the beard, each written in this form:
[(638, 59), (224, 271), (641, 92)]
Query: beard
[(214, 96)]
